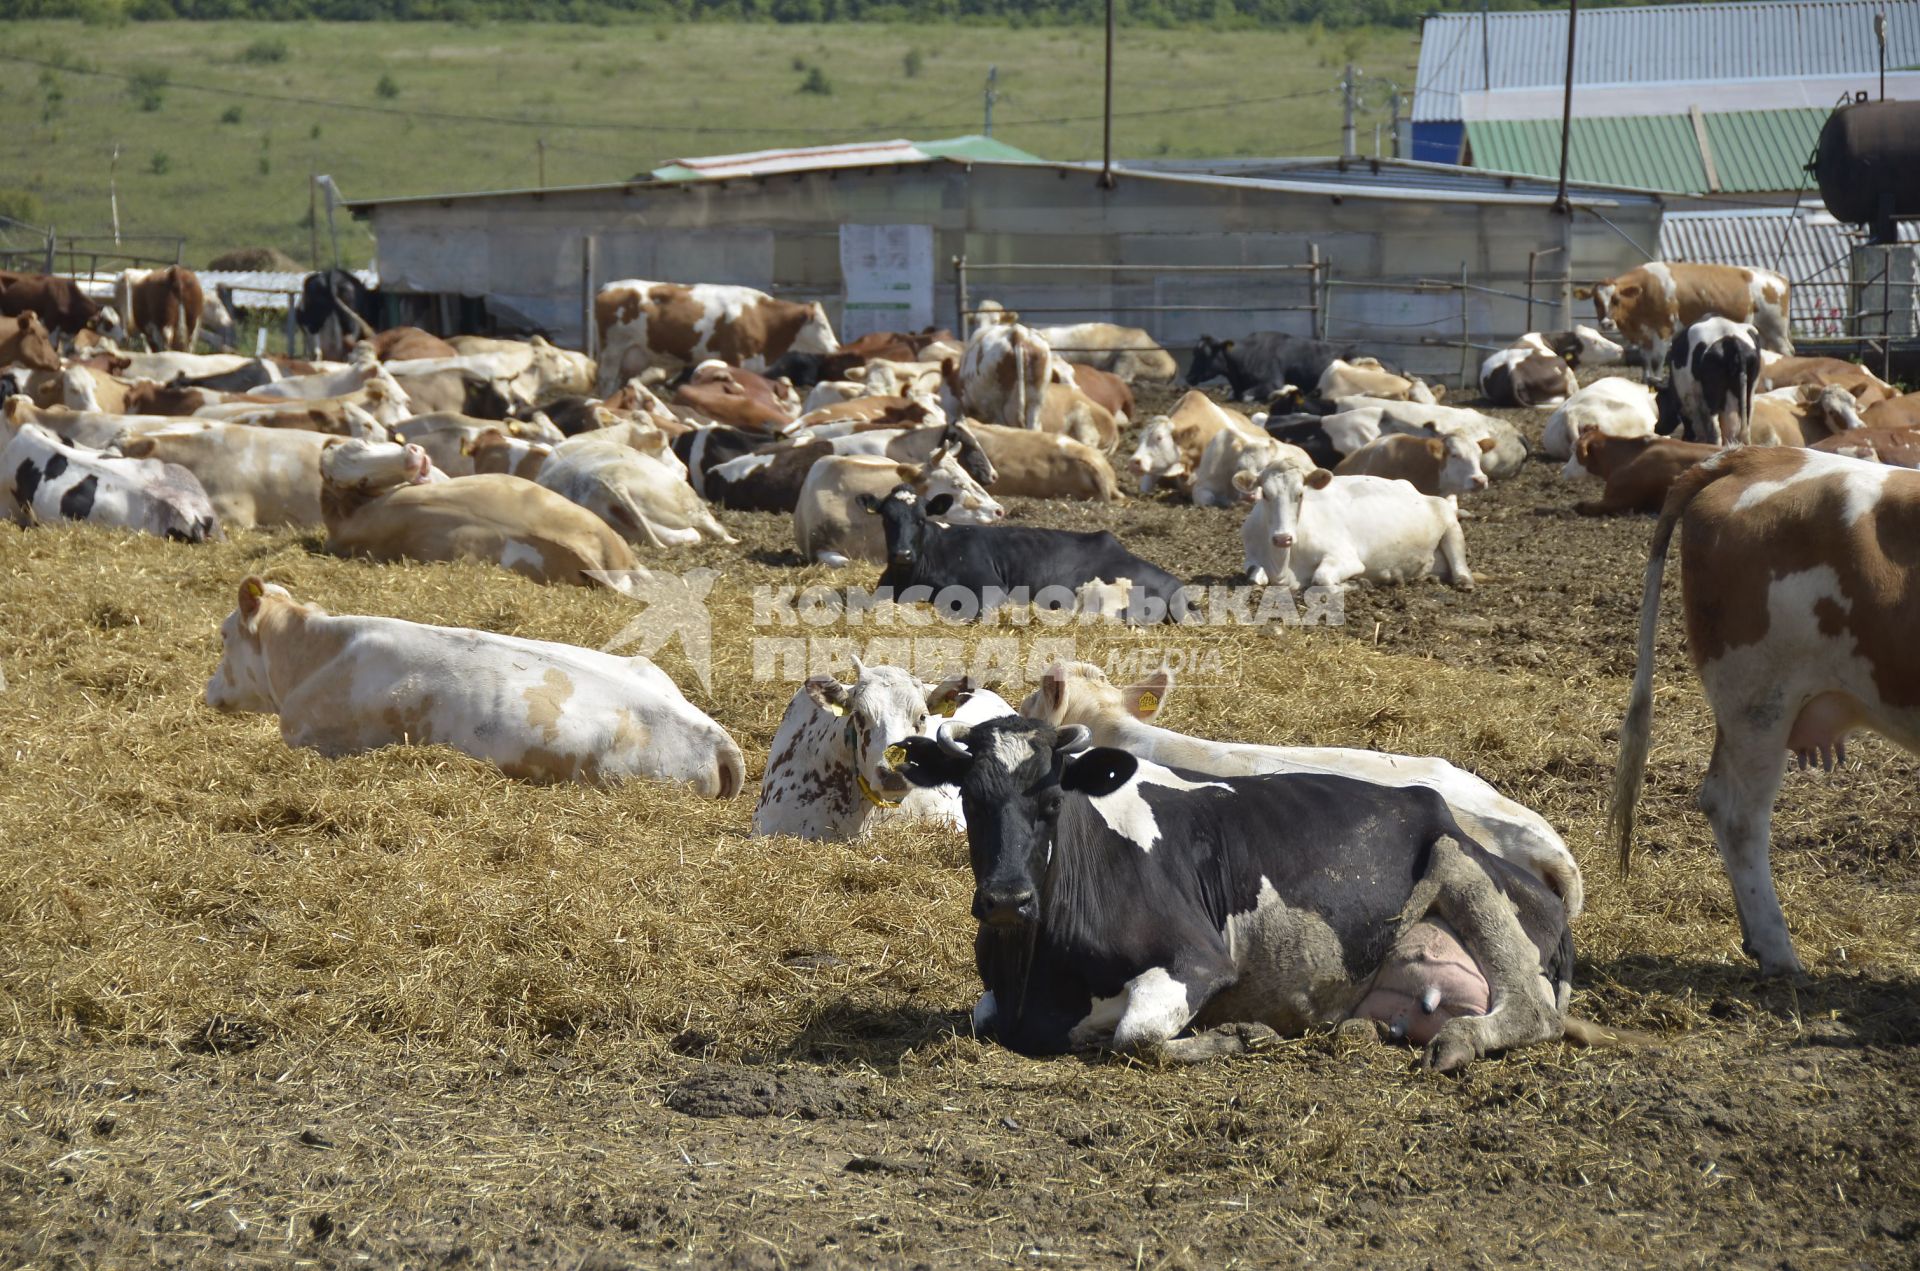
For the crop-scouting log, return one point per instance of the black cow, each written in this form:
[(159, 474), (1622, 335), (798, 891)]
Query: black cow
[(337, 309), (976, 558), (1264, 363), (1120, 902), (1715, 366), (1307, 432)]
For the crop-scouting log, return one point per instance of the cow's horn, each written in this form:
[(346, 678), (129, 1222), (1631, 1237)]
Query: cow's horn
[(1072, 739), (953, 739)]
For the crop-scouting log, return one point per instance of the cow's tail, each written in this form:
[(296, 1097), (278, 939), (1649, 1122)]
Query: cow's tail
[(1020, 379), (1629, 771)]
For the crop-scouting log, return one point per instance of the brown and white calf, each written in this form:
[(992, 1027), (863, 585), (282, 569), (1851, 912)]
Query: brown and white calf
[(536, 709), (1801, 595), (642, 323), (1651, 303)]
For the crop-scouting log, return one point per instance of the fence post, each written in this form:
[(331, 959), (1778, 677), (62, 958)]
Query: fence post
[(51, 248), (1313, 291), (1466, 336), (292, 306), (590, 329), (1533, 261), (960, 296)]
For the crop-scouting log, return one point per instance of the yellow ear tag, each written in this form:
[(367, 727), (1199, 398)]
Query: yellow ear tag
[(835, 708), (1149, 703), (254, 588), (896, 755), (946, 708)]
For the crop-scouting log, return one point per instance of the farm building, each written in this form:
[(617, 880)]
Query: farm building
[(1721, 101), (899, 235)]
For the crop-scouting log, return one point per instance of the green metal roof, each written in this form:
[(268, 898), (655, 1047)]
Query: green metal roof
[(1752, 150), (975, 147)]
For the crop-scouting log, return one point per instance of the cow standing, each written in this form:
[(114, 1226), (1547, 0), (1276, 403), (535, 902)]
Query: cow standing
[(62, 307), (162, 306), (1119, 902), (1716, 364), (1802, 596), (641, 323), (1649, 304)]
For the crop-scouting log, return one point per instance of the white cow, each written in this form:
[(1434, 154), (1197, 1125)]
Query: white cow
[(1232, 451), (1366, 377), (1078, 693), (1320, 530), (42, 478), (253, 476), (1617, 406), (539, 710), (831, 772)]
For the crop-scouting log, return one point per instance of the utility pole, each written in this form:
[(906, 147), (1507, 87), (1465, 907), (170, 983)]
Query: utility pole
[(1346, 114), (113, 191), (1396, 125), (1880, 34), (1560, 203), (1106, 114), (992, 95), (313, 220), (541, 145)]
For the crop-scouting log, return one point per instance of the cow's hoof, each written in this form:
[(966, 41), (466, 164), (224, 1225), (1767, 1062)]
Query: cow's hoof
[(1350, 1034), (1464, 582), (1256, 1037), (1448, 1053)]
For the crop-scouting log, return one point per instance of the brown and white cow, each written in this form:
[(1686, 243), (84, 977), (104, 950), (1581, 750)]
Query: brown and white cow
[(1106, 388), (1895, 447), (406, 344), (1651, 303), (1171, 445), (1801, 596), (161, 306), (1895, 412), (381, 501), (24, 341), (1002, 378), (831, 527), (641, 323), (1431, 464), (737, 398), (1067, 411), (1801, 416)]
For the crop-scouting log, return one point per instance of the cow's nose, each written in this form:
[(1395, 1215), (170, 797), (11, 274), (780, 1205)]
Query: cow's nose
[(1283, 540), (1138, 466), (1003, 909), (1480, 483)]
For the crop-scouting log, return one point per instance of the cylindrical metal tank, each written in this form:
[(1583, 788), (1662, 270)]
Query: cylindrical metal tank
[(1868, 162)]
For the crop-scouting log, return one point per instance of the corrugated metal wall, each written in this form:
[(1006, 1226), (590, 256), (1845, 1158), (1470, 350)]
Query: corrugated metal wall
[(781, 234)]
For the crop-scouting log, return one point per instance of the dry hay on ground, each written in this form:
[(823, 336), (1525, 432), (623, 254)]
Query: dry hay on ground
[(266, 1006)]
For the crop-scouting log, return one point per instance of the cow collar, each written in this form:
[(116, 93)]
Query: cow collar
[(859, 777)]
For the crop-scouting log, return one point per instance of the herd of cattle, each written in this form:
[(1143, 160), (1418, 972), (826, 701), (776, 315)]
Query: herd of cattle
[(1136, 888)]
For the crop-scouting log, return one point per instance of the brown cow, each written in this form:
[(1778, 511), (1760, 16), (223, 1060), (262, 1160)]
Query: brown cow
[(1801, 592), (1108, 389), (1895, 412), (1895, 447), (1821, 372), (63, 308), (737, 398), (1638, 470), (642, 322), (162, 307), (1430, 462), (1650, 303), (24, 342)]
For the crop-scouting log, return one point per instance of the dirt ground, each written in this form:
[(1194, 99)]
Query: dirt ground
[(265, 1008)]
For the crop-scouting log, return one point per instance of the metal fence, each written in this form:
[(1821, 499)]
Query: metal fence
[(83, 254)]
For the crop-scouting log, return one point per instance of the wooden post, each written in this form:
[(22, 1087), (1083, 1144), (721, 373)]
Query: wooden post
[(961, 307), (1466, 336), (1316, 294), (313, 222), (590, 330)]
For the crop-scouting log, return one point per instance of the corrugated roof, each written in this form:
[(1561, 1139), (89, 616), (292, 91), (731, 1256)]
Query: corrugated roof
[(1807, 245), (855, 154), (1740, 39), (1752, 150)]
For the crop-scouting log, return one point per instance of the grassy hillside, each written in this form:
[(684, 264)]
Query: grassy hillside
[(211, 147)]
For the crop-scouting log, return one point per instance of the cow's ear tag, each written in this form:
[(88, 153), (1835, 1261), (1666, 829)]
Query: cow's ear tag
[(254, 588), (895, 755), (1148, 704), (834, 708), (946, 707)]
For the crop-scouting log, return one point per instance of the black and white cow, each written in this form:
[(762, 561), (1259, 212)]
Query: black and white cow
[(1716, 364), (1305, 430), (1120, 902), (43, 478), (1262, 364), (978, 559)]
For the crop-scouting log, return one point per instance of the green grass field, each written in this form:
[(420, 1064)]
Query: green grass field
[(228, 170)]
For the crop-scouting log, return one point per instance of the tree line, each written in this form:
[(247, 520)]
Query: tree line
[(1218, 13)]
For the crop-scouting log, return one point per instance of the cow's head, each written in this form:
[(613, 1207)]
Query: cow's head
[(1157, 455), (1282, 488), (1012, 774), (1584, 346), (1209, 361), (1460, 471), (106, 321), (949, 493), (1604, 296), (370, 467), (240, 682), (903, 520), (34, 346), (1080, 693), (883, 708)]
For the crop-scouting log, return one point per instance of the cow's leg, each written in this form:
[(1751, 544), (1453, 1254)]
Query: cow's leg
[(1161, 1001), (1488, 923), (1742, 782), (1453, 554)]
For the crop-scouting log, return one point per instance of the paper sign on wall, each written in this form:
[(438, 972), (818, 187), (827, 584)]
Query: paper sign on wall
[(888, 270)]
